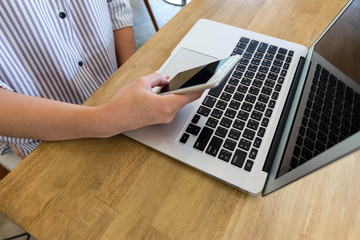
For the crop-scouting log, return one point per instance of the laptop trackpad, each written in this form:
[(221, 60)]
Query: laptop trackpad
[(185, 59)]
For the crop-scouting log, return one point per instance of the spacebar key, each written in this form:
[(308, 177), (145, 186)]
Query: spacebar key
[(203, 138)]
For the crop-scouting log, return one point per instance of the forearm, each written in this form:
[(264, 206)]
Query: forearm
[(133, 106), (32, 117), (124, 44)]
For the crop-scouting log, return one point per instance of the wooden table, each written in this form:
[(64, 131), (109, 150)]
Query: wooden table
[(117, 188)]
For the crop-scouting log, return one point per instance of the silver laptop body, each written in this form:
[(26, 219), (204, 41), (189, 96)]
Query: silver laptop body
[(239, 132)]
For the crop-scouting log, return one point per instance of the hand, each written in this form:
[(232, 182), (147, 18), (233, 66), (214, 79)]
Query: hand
[(135, 105)]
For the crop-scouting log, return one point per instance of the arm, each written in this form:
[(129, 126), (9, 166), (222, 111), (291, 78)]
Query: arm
[(122, 21), (124, 44), (31, 117)]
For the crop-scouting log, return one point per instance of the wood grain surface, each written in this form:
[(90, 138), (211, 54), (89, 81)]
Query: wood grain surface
[(116, 188)]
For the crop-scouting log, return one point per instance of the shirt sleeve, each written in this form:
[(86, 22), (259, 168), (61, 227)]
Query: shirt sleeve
[(5, 86), (121, 13)]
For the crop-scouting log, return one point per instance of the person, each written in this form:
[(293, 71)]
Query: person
[(53, 56)]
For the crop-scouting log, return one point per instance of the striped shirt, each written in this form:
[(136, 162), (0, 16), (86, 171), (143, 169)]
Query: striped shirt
[(57, 49)]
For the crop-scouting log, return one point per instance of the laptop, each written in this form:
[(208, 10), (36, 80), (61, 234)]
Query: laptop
[(284, 112)]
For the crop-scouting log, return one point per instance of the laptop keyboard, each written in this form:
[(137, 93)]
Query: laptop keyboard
[(238, 112), (332, 114)]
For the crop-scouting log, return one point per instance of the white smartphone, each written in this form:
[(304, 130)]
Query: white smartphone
[(200, 78)]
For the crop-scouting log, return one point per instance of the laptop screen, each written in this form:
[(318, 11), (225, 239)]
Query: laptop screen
[(329, 109)]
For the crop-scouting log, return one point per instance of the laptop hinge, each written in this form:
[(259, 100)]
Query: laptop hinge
[(283, 118)]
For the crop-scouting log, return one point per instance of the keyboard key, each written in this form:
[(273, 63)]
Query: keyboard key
[(272, 103), (253, 124), (294, 162), (266, 63), (282, 50), (256, 115), (225, 96), (244, 144), (193, 129), (244, 61), (221, 104), (278, 87), (260, 76), (247, 55), (239, 96), (253, 67), (246, 106), (280, 56), (257, 83), (234, 104), (184, 138), (203, 111), (239, 51), (244, 40), (272, 49), (249, 74), (203, 138), (275, 69), (268, 112), (266, 90), (261, 132), (241, 45), (262, 47), (239, 158), (234, 81), (214, 146), (263, 98), (257, 142), (229, 89), (250, 98), (264, 69), (196, 119), (212, 122), (234, 134), (246, 81), (242, 89), (306, 154), (253, 153), (248, 165), (260, 107), (243, 115), (225, 122), (256, 61), (259, 55), (221, 132), (209, 101), (238, 124), (283, 73), (252, 46), (225, 155), (216, 113), (254, 90), (230, 113), (265, 122), (230, 144), (249, 134)]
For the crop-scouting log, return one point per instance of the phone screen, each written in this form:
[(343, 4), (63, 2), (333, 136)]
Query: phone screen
[(193, 77)]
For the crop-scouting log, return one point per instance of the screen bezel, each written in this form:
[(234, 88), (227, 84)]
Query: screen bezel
[(341, 149)]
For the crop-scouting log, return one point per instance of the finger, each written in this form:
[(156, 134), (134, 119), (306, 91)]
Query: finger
[(155, 79), (180, 100)]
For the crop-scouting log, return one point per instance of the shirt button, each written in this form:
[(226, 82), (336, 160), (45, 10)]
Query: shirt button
[(81, 63), (62, 15)]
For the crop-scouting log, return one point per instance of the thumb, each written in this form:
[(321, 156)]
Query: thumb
[(155, 79)]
